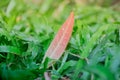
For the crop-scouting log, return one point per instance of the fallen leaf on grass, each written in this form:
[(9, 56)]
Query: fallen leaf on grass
[(61, 39)]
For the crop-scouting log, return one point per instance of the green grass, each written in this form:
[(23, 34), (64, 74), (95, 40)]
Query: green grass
[(26, 30)]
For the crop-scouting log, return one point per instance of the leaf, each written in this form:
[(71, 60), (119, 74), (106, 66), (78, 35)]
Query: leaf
[(10, 7), (10, 49), (91, 43), (108, 28), (68, 64), (103, 72), (45, 6), (61, 39), (79, 65)]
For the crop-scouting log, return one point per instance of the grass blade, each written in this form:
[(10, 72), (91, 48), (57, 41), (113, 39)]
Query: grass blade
[(10, 49)]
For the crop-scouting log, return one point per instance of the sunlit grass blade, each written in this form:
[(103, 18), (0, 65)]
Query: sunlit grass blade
[(10, 49)]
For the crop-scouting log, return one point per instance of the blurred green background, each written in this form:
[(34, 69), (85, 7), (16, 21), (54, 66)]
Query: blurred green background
[(28, 27)]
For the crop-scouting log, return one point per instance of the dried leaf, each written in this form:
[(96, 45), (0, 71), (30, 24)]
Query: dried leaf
[(61, 39), (47, 76)]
